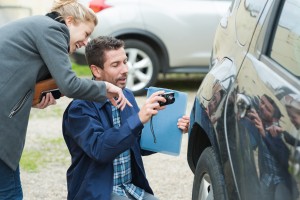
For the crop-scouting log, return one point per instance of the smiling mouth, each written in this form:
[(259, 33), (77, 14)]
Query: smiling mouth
[(122, 79)]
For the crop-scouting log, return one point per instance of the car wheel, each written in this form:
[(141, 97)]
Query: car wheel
[(208, 179), (142, 66)]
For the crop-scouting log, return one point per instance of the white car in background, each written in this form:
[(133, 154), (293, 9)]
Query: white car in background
[(163, 36), (10, 13)]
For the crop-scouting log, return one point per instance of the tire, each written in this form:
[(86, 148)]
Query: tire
[(208, 180), (142, 66)]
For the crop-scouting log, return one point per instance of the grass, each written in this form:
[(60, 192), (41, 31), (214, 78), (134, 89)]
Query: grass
[(81, 70), (31, 160), (49, 151)]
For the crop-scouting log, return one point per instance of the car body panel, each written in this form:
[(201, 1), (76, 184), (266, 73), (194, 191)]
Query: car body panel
[(259, 77), (184, 18), (181, 25)]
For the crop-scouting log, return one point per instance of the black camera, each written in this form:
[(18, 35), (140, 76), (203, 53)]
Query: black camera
[(170, 98)]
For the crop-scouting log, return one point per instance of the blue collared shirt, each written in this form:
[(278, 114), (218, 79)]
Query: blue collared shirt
[(122, 168)]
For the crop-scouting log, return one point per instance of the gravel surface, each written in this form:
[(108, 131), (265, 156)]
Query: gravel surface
[(170, 176)]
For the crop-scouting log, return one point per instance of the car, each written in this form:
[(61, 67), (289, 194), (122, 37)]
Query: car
[(165, 36), (9, 13), (244, 136)]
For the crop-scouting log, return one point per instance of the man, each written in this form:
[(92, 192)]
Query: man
[(273, 154), (103, 142)]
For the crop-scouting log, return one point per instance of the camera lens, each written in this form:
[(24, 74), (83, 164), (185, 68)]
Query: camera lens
[(170, 98)]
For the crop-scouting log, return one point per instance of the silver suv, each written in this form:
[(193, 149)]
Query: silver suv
[(167, 36)]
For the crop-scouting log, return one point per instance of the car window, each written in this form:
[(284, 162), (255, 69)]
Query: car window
[(285, 48)]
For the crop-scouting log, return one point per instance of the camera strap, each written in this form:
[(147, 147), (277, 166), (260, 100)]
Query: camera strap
[(152, 130)]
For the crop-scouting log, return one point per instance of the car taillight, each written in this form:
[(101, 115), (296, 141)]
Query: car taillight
[(98, 5)]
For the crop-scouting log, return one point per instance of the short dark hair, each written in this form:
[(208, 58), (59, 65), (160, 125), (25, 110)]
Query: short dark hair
[(277, 114), (95, 49)]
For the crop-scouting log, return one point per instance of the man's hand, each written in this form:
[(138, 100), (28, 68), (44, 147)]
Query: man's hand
[(116, 96), (256, 120), (151, 107), (46, 101), (184, 123)]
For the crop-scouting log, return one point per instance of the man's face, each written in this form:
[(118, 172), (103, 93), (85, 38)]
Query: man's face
[(266, 109), (115, 67), (79, 34)]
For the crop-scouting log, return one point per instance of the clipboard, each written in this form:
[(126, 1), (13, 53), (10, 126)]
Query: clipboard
[(164, 125)]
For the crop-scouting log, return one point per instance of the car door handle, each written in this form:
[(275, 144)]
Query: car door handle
[(243, 104)]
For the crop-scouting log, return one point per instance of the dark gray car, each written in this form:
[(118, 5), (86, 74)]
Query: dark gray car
[(244, 139)]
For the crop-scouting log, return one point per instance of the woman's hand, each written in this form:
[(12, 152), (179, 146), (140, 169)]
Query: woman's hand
[(116, 96), (184, 123), (46, 101)]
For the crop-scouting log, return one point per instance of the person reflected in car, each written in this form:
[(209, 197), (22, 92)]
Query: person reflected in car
[(273, 154)]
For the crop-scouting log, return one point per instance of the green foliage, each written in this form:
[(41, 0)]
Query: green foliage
[(81, 70)]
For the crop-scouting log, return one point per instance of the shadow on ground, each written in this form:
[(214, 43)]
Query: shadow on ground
[(190, 82)]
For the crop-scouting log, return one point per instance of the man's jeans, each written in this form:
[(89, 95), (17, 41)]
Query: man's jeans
[(10, 183)]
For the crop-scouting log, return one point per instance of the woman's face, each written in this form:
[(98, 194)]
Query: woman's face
[(79, 34)]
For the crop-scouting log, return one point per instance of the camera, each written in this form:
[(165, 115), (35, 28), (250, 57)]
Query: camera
[(170, 98)]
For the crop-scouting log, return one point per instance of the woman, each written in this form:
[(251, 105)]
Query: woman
[(33, 49)]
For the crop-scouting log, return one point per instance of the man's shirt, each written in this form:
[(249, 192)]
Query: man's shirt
[(122, 168)]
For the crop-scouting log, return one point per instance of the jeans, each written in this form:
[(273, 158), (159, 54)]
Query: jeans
[(10, 183), (276, 192)]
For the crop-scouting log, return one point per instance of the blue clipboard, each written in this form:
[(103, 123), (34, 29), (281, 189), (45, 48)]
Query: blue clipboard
[(164, 124)]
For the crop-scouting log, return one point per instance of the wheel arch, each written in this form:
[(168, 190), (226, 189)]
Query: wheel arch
[(201, 134), (198, 141), (152, 40)]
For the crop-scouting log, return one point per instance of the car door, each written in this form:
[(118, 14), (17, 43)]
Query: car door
[(263, 108), (185, 26)]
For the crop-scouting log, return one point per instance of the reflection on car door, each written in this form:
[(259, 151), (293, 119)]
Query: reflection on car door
[(264, 135)]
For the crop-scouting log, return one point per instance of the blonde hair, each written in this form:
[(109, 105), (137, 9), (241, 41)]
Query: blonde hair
[(79, 12)]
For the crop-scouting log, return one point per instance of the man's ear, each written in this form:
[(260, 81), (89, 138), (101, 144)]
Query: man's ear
[(96, 71)]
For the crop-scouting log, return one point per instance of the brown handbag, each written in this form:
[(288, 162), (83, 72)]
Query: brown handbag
[(43, 87)]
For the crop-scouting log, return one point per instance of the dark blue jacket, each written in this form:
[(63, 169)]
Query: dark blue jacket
[(94, 143)]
